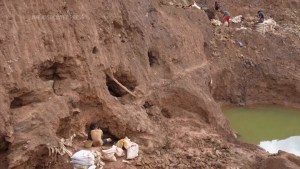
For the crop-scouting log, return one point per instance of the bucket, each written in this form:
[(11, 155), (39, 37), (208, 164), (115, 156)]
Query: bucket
[(88, 143)]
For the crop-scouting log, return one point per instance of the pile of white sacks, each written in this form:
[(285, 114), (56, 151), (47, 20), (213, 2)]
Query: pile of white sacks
[(86, 159)]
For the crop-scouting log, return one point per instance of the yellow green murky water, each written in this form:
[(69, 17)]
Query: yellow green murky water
[(259, 123)]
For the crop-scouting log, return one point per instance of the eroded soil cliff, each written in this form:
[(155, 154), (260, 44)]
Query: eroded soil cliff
[(60, 62)]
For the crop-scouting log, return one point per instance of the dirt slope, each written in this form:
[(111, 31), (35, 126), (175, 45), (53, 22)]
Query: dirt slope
[(60, 60)]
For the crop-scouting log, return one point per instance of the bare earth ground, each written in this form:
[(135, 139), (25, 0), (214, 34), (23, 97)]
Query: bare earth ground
[(58, 61)]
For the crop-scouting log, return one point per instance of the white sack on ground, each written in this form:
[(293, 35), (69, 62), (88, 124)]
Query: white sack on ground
[(132, 151), (83, 157), (109, 154)]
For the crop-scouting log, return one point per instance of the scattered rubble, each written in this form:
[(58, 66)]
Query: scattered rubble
[(61, 149)]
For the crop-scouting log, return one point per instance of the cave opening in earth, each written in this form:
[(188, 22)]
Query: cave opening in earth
[(153, 57), (126, 80)]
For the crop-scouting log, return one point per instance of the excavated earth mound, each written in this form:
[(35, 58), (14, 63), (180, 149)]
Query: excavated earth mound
[(155, 71)]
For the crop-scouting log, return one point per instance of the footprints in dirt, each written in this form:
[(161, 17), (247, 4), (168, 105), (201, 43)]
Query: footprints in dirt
[(192, 69), (179, 75)]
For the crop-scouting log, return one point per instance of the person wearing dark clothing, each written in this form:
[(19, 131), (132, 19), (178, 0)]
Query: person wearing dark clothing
[(217, 6), (261, 16)]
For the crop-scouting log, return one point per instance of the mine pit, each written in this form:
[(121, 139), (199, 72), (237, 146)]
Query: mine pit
[(153, 57), (50, 72), (4, 145), (124, 80), (17, 102), (166, 113), (25, 99), (95, 50), (60, 69)]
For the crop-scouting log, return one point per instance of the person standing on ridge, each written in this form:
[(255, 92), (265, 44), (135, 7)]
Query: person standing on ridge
[(226, 18), (217, 6), (261, 16)]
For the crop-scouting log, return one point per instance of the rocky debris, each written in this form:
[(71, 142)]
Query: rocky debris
[(61, 149), (178, 3), (281, 160)]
